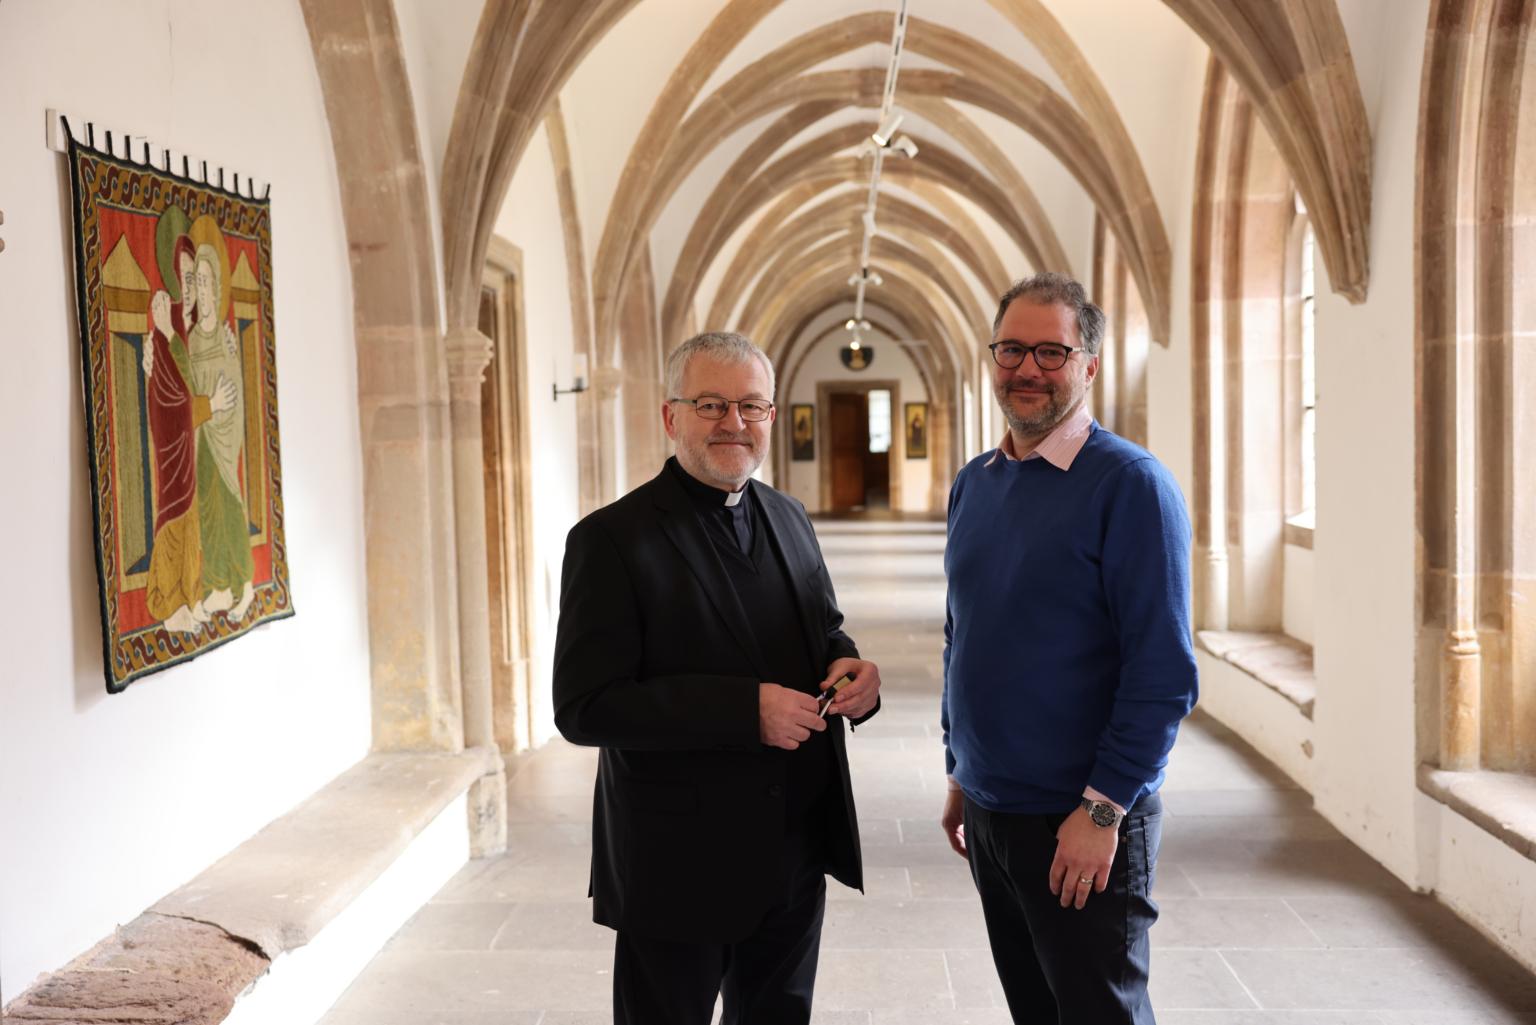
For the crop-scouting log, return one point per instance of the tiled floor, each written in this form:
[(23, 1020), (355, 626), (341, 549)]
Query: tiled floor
[(1269, 916)]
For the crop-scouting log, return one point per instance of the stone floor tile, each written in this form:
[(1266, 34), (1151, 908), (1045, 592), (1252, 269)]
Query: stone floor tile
[(1193, 1017), (1381, 920), (907, 980), (970, 1016), (476, 982), (888, 883), (1196, 979), (1414, 979), (1269, 916), (1212, 922), (508, 881), (973, 977), (892, 925), (949, 880), (552, 925), (452, 927), (385, 1016)]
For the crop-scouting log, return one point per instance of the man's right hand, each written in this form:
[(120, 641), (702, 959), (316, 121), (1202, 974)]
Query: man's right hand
[(785, 718), (953, 821)]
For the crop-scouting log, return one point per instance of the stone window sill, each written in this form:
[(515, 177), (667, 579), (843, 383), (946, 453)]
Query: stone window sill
[(1502, 803), (1300, 528), (1281, 663)]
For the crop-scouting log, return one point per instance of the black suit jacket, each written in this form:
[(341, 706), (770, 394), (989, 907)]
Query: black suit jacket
[(656, 663)]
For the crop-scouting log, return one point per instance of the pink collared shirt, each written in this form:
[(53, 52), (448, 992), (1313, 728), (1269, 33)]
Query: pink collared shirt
[(1059, 448)]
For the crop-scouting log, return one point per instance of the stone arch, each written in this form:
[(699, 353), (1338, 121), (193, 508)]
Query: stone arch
[(1476, 210), (832, 254), (798, 177), (1293, 60), (772, 236), (523, 53), (745, 93), (1244, 205), (913, 301), (402, 377)]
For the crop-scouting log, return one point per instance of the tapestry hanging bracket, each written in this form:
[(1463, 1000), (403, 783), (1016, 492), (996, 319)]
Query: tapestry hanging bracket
[(139, 149)]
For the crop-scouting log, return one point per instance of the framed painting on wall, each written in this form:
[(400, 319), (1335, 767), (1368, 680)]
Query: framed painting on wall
[(802, 432), (916, 421), (173, 281)]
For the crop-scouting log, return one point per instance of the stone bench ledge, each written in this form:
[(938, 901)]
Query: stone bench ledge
[(1501, 803), (188, 957), (1281, 663)]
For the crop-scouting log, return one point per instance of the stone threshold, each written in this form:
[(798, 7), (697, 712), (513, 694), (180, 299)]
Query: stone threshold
[(1503, 804), (1279, 662), (188, 958)]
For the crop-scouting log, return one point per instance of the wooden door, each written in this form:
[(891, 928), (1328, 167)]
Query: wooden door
[(848, 420)]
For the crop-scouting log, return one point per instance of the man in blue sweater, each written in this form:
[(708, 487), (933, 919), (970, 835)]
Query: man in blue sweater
[(1067, 667)]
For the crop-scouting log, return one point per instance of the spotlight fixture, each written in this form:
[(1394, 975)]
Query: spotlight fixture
[(887, 130), (904, 146)]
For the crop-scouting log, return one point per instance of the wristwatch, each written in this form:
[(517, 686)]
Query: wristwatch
[(1102, 813)]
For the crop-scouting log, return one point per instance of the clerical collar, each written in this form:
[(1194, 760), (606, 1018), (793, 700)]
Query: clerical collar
[(706, 496)]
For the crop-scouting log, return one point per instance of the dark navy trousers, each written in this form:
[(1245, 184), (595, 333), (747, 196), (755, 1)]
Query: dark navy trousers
[(1062, 966)]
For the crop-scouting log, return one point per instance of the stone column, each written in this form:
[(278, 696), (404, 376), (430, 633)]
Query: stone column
[(606, 382), (469, 353)]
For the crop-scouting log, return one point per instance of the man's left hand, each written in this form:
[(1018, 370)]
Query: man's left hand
[(856, 699), (1084, 851)]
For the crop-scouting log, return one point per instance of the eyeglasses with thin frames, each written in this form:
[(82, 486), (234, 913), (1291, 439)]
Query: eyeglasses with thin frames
[(1048, 355), (712, 407)]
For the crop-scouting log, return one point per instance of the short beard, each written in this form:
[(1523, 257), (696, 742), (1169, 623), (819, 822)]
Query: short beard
[(1041, 423), (701, 458)]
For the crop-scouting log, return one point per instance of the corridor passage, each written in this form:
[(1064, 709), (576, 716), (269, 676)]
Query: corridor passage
[(1269, 916)]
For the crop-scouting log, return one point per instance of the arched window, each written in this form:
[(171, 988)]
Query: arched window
[(1254, 390)]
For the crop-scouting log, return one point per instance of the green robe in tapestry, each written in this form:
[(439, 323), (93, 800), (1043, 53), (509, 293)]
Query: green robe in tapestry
[(222, 518)]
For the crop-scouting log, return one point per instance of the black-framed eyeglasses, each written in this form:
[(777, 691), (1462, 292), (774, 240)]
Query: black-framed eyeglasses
[(712, 407), (1048, 355)]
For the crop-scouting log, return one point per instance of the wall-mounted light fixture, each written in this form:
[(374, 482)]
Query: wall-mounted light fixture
[(579, 377)]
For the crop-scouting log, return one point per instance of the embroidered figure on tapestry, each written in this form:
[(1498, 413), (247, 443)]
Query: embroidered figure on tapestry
[(174, 283)]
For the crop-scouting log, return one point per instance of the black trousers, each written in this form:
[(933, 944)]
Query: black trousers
[(1062, 966), (765, 979)]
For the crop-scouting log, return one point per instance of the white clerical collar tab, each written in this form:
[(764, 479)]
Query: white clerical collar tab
[(734, 497)]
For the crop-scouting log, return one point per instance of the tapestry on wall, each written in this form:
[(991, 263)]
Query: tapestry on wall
[(174, 284)]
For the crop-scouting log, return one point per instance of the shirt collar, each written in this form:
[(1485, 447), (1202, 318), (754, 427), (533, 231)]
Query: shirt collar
[(706, 496), (1059, 448)]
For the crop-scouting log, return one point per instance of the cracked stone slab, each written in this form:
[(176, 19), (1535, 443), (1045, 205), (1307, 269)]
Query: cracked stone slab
[(286, 883), (156, 970)]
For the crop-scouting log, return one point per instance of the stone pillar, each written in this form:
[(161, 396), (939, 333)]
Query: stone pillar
[(469, 353), (606, 382)]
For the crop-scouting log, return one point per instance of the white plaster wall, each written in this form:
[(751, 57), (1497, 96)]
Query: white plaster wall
[(1365, 543), (435, 37), (1299, 574), (530, 219), (1271, 723), (891, 364), (110, 802)]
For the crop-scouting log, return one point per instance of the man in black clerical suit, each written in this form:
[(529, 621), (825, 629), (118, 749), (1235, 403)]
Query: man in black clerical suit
[(697, 629)]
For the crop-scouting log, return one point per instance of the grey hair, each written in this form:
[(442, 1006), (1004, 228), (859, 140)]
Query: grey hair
[(1051, 289), (725, 346)]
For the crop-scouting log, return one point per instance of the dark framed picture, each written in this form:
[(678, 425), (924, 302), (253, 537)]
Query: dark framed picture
[(916, 421), (802, 432)]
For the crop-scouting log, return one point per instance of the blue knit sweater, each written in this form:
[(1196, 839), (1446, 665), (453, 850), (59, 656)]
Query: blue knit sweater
[(1067, 654)]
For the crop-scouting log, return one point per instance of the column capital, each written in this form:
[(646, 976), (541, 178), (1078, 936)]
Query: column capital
[(469, 353), (606, 381)]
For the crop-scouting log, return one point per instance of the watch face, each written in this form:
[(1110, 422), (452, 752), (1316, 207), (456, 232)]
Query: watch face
[(1103, 814)]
